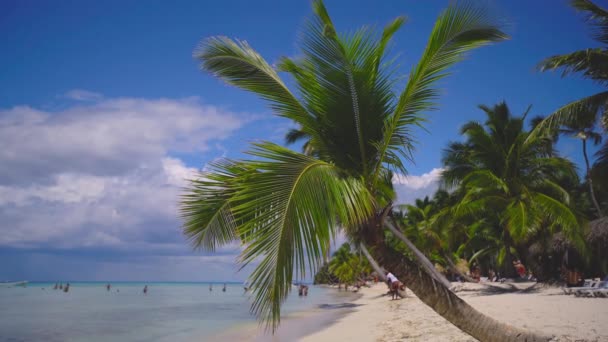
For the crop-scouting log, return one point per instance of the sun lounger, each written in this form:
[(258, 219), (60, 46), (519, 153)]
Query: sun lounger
[(595, 291), (587, 285), (601, 293)]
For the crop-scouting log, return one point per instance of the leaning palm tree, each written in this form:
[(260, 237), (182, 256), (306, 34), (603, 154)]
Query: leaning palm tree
[(512, 180), (591, 63), (285, 207)]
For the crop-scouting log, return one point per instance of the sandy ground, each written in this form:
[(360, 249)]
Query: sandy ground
[(377, 318)]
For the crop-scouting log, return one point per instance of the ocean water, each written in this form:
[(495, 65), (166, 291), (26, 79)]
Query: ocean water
[(169, 312)]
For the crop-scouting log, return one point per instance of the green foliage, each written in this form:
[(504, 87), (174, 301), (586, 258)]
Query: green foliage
[(581, 116)]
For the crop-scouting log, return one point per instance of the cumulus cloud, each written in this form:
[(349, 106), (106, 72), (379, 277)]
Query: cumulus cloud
[(411, 187), (109, 137), (103, 175)]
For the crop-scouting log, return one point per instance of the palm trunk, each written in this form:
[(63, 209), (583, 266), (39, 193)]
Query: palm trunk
[(507, 264), (455, 269), (373, 262), (590, 181), (451, 307), (422, 259), (378, 268)]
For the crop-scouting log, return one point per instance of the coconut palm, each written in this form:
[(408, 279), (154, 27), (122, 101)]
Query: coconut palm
[(285, 206), (591, 63), (511, 180), (340, 265), (584, 129)]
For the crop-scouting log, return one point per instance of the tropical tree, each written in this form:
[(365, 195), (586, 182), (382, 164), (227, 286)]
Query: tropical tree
[(591, 63), (512, 181), (285, 206), (340, 265), (584, 129)]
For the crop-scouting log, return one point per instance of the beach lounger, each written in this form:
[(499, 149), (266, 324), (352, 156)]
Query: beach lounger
[(587, 285), (591, 291), (601, 293)]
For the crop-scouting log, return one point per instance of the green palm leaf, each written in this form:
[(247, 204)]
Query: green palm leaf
[(236, 63), (459, 29), (205, 206), (288, 212)]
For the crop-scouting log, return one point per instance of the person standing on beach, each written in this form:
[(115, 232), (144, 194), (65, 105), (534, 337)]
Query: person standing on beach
[(224, 288), (146, 290), (108, 286), (67, 288), (210, 287)]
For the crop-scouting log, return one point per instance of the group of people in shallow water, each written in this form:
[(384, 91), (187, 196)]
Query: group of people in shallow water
[(60, 286), (223, 288), (66, 288)]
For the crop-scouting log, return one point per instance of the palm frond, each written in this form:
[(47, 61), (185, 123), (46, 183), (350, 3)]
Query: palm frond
[(561, 215), (591, 63), (288, 211), (484, 179), (596, 16), (459, 29), (205, 206), (236, 63), (569, 114)]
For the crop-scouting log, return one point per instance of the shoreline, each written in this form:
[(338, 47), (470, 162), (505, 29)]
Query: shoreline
[(298, 324), (546, 309)]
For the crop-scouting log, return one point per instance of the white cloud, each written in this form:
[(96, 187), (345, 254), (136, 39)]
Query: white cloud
[(109, 137), (411, 187), (82, 95), (104, 174)]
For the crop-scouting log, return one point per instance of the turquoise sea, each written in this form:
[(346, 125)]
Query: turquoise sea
[(169, 312)]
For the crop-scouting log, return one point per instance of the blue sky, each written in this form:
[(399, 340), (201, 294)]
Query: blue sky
[(103, 112)]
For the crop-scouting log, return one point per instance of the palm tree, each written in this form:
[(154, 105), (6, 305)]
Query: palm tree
[(510, 180), (285, 206), (584, 128), (591, 63), (340, 265)]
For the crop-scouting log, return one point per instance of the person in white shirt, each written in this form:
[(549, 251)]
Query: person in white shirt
[(394, 284)]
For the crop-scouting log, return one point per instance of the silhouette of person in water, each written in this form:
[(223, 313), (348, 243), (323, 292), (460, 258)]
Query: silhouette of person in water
[(224, 288), (146, 289)]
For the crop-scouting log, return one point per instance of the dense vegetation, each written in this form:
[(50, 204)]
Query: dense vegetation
[(344, 268)]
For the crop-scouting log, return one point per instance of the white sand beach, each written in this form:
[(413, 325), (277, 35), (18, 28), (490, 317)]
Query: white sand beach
[(377, 318)]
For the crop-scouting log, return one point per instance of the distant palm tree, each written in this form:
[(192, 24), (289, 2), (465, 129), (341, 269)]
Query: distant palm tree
[(340, 265), (584, 128), (510, 179), (286, 206), (592, 63)]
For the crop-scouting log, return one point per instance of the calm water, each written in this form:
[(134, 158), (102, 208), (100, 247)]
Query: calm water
[(169, 312)]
